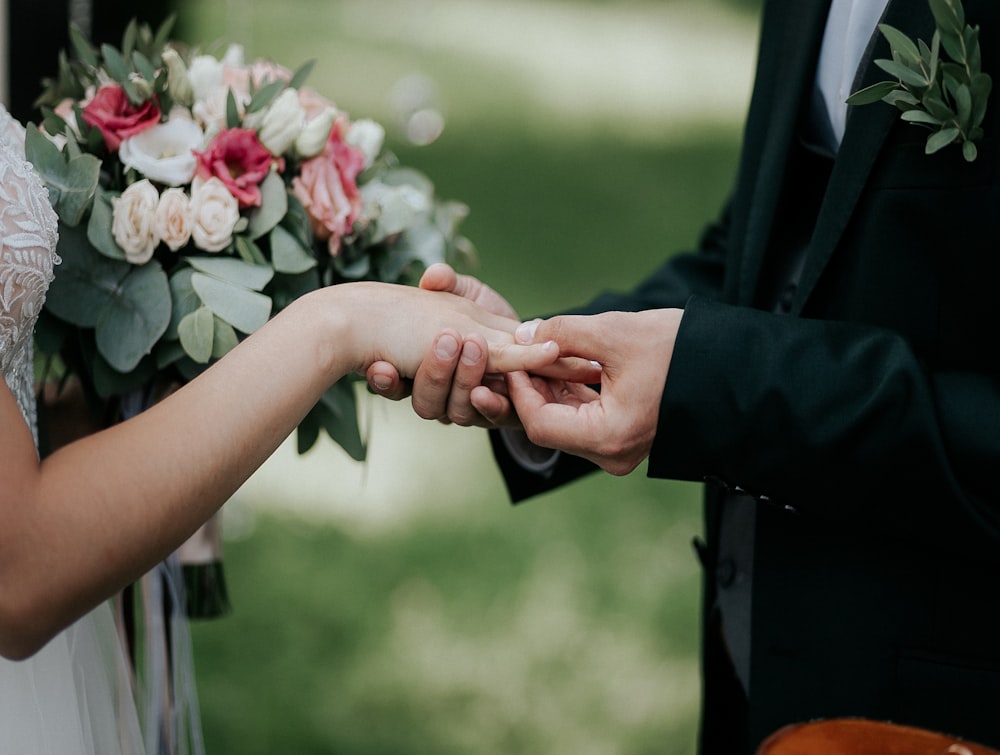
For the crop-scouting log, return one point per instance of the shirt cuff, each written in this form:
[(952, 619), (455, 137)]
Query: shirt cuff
[(530, 457)]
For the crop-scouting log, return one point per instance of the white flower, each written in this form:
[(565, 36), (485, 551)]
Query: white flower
[(281, 123), (132, 221), (211, 111), (178, 82), (368, 136), (204, 75), (234, 56), (172, 223), (214, 212), (163, 153), (316, 133)]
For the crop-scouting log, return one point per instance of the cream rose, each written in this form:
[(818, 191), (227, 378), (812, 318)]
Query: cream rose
[(172, 223), (367, 136), (204, 75), (316, 133), (178, 82), (280, 125), (164, 153), (214, 213), (132, 221)]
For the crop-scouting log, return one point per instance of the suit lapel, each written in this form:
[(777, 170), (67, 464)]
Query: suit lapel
[(867, 128), (800, 36)]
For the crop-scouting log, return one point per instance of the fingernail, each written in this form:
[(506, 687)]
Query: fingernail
[(525, 332), (471, 353), (381, 383), (446, 347)]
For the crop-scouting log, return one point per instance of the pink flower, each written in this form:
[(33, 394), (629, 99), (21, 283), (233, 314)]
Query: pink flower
[(238, 159), (328, 189), (117, 118)]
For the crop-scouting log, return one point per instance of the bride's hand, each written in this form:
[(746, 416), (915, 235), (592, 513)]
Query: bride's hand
[(399, 325)]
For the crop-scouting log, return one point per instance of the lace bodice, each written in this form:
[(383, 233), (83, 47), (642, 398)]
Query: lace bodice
[(28, 234)]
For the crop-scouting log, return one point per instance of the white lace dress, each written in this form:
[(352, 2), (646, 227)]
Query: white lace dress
[(72, 697)]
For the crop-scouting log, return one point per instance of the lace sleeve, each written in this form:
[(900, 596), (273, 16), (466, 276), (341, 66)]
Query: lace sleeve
[(28, 235)]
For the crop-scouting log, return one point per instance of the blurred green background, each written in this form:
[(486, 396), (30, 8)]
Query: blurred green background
[(403, 606)]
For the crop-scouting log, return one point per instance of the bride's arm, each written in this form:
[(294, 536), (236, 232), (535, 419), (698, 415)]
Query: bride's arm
[(98, 513)]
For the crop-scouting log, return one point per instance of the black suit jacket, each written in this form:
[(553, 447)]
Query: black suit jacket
[(866, 423)]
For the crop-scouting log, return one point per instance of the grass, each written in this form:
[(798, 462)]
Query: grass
[(405, 607)]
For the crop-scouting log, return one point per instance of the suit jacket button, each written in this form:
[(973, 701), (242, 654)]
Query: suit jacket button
[(725, 573)]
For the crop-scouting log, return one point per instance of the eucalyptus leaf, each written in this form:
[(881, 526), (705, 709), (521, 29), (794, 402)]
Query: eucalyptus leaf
[(234, 271), (265, 95), (232, 111), (981, 86), (84, 50), (287, 254), (71, 184), (242, 308), (110, 382), (224, 338), (901, 98), (872, 93), (920, 116), (339, 417), (300, 76), (941, 139), (196, 331), (906, 75), (83, 281), (948, 15), (115, 64), (902, 44), (970, 151), (248, 251), (99, 227), (963, 99), (134, 317), (184, 299), (273, 206)]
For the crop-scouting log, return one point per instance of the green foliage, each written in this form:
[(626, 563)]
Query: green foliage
[(949, 97)]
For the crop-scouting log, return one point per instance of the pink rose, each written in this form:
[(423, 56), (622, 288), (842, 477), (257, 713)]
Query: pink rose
[(117, 118), (238, 159), (327, 187)]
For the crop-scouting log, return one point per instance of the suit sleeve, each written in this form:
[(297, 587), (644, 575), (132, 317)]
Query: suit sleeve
[(829, 419)]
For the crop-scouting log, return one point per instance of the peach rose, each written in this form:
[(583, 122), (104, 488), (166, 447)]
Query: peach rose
[(327, 187)]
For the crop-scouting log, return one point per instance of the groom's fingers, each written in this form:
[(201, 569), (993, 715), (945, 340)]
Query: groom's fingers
[(433, 381), (384, 380), (468, 375), (440, 277)]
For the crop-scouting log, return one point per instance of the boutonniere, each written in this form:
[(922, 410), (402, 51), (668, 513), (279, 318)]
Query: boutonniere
[(940, 87)]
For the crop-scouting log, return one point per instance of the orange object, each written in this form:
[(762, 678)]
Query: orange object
[(854, 736)]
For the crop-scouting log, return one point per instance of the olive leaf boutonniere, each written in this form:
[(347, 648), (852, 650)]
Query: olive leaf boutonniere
[(946, 93)]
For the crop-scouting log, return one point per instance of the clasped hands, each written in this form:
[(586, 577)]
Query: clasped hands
[(628, 353)]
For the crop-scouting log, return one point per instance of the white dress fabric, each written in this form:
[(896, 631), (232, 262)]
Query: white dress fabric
[(73, 697)]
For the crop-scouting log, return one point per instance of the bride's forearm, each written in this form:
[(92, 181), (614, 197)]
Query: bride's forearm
[(100, 512)]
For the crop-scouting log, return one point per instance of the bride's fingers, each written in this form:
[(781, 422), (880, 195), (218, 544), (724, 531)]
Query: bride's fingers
[(572, 370), (507, 357)]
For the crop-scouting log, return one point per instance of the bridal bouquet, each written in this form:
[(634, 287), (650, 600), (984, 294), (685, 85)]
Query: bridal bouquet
[(199, 195)]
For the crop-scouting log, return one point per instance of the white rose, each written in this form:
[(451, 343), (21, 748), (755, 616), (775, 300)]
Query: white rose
[(163, 153), (204, 75), (172, 222), (368, 136), (178, 82), (214, 212), (132, 221), (211, 111), (282, 123), (316, 133)]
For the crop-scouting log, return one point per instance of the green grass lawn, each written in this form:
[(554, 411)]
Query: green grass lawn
[(567, 624)]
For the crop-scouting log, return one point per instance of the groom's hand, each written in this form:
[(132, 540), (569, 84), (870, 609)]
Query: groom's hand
[(616, 427)]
